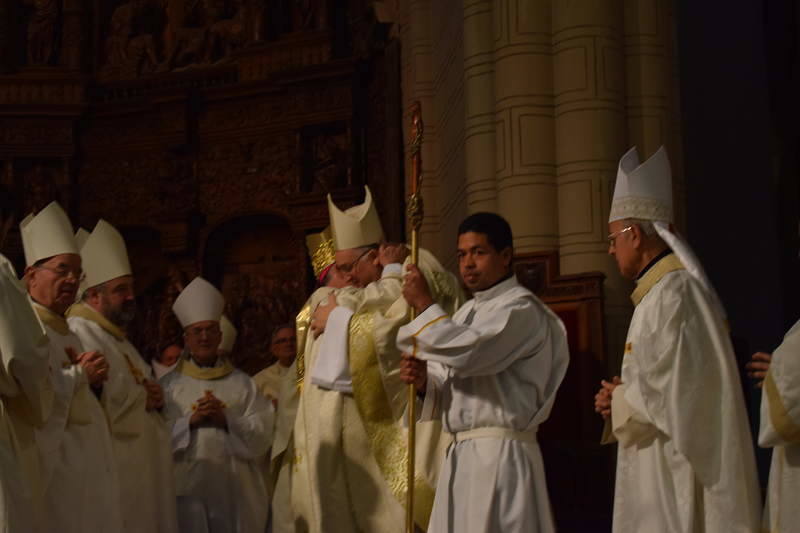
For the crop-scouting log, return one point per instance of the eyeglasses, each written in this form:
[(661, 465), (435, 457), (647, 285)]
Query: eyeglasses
[(62, 272), (613, 237), (348, 267), (208, 331)]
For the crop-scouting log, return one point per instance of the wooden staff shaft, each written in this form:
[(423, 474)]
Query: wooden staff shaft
[(415, 214)]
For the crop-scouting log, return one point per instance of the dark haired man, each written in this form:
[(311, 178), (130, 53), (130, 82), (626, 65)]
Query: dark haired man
[(491, 373)]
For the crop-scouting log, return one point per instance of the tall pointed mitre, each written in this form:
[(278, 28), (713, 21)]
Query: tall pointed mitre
[(320, 250), (104, 255), (198, 302), (643, 191), (47, 234), (229, 335), (81, 236), (356, 227)]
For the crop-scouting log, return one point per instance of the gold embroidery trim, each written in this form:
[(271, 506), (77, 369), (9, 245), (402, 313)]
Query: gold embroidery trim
[(302, 324), (781, 421), (387, 440), (84, 311), (54, 321), (668, 264), (432, 322)]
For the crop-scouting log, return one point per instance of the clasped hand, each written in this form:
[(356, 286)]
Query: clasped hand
[(210, 411)]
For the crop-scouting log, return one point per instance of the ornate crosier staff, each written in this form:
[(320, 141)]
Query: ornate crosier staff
[(414, 212)]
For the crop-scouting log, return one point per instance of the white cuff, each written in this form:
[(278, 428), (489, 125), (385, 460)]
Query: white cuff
[(406, 333), (332, 367), (181, 434), (628, 425), (236, 439), (392, 269)]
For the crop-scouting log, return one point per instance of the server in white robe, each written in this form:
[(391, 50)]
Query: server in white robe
[(780, 430), (26, 395), (221, 426), (131, 397), (491, 372), (685, 460), (81, 491)]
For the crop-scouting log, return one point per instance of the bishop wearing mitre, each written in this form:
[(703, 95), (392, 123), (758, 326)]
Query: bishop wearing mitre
[(221, 427), (79, 474), (131, 396)]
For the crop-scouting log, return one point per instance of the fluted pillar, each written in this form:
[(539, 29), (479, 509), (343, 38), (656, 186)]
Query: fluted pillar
[(590, 133), (479, 126), (523, 101), (652, 88)]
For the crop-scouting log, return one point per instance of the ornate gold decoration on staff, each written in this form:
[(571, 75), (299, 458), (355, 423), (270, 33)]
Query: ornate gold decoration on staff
[(414, 212)]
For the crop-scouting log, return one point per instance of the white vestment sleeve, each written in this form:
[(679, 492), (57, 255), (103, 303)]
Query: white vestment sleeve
[(250, 435), (181, 433), (630, 425), (332, 367), (475, 349), (780, 400)]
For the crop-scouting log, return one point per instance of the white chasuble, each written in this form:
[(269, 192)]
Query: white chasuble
[(218, 475), (685, 460), (493, 372), (139, 437), (26, 398), (780, 430), (79, 471)]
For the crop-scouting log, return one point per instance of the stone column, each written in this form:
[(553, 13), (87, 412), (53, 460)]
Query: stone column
[(651, 89), (590, 132), (479, 117), (523, 102)]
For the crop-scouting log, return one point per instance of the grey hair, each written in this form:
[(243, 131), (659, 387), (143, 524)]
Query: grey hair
[(647, 226)]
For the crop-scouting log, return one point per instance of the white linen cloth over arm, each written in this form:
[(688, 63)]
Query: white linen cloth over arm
[(332, 370)]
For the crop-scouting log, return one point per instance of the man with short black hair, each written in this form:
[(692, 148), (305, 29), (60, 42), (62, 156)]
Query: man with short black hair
[(491, 373)]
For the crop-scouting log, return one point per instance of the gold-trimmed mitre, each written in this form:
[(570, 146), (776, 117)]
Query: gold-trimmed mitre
[(358, 226), (320, 250), (643, 191), (47, 234)]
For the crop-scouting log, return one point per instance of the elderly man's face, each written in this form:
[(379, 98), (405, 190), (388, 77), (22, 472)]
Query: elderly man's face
[(358, 266), (623, 245), (202, 340), (54, 283)]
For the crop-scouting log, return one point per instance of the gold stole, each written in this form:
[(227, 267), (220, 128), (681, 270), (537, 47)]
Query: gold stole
[(187, 367), (302, 325), (386, 439)]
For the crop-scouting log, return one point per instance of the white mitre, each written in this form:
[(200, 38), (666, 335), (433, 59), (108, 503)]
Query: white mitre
[(643, 191), (47, 234), (81, 236), (200, 301), (104, 255), (229, 335), (358, 226)]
